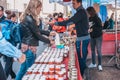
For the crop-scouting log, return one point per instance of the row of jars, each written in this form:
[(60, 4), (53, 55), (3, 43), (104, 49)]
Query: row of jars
[(52, 56), (72, 66), (48, 66)]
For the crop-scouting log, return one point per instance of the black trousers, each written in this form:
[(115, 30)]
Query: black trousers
[(2, 73), (8, 67)]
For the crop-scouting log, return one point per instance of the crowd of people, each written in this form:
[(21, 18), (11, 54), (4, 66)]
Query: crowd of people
[(85, 24), (30, 35), (56, 17)]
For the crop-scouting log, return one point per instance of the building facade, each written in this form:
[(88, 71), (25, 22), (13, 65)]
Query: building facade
[(47, 8), (17, 5), (3, 3)]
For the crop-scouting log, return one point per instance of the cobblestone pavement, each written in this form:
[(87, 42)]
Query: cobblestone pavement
[(110, 72)]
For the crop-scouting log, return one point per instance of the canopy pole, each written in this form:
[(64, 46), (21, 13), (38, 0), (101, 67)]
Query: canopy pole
[(115, 27)]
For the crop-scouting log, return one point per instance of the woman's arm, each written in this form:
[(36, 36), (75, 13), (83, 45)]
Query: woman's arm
[(45, 32), (9, 50)]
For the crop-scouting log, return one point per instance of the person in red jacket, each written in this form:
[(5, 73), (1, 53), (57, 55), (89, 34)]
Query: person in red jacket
[(55, 19), (61, 29), (58, 17)]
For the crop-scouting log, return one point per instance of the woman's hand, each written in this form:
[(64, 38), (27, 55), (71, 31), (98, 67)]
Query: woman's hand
[(24, 47), (33, 49), (50, 23), (52, 33), (90, 30), (22, 58), (52, 42)]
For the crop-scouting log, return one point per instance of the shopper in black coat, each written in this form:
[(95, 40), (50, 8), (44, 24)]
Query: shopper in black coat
[(96, 37)]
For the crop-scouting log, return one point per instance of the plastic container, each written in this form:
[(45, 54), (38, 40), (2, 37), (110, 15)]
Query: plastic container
[(60, 46)]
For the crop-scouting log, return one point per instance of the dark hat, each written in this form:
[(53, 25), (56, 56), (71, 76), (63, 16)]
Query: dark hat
[(1, 8)]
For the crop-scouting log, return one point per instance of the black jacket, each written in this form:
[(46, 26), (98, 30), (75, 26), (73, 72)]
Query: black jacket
[(106, 25), (31, 33), (80, 19), (97, 27)]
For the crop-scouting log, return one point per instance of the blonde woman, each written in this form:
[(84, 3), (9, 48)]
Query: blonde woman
[(31, 35)]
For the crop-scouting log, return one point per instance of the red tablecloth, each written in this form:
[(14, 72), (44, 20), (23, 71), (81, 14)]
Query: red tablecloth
[(77, 66), (110, 36)]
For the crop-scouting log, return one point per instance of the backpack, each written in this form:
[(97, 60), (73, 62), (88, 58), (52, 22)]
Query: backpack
[(6, 25), (15, 33), (11, 31)]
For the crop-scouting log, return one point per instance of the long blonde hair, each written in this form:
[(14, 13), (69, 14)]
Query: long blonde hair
[(31, 10)]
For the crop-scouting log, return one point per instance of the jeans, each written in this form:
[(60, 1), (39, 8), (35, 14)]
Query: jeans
[(2, 73), (30, 58), (8, 67), (9, 63), (96, 43), (82, 51)]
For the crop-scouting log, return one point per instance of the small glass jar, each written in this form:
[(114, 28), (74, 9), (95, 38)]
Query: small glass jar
[(51, 67)]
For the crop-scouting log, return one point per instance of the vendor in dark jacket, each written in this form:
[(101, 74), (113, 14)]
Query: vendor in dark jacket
[(31, 35), (96, 37), (80, 19)]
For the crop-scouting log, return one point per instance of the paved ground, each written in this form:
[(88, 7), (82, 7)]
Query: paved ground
[(110, 72)]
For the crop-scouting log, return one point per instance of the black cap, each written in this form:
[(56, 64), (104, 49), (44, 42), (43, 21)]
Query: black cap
[(1, 8)]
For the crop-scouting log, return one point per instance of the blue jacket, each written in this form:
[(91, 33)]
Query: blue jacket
[(6, 26), (2, 18), (8, 49)]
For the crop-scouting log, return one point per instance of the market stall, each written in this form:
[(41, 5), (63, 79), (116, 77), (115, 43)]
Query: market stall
[(62, 64), (57, 62)]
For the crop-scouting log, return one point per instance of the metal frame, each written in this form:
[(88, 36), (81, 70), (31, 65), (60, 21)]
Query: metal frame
[(116, 55)]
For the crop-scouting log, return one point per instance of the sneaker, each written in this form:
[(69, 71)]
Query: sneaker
[(100, 68), (92, 65)]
